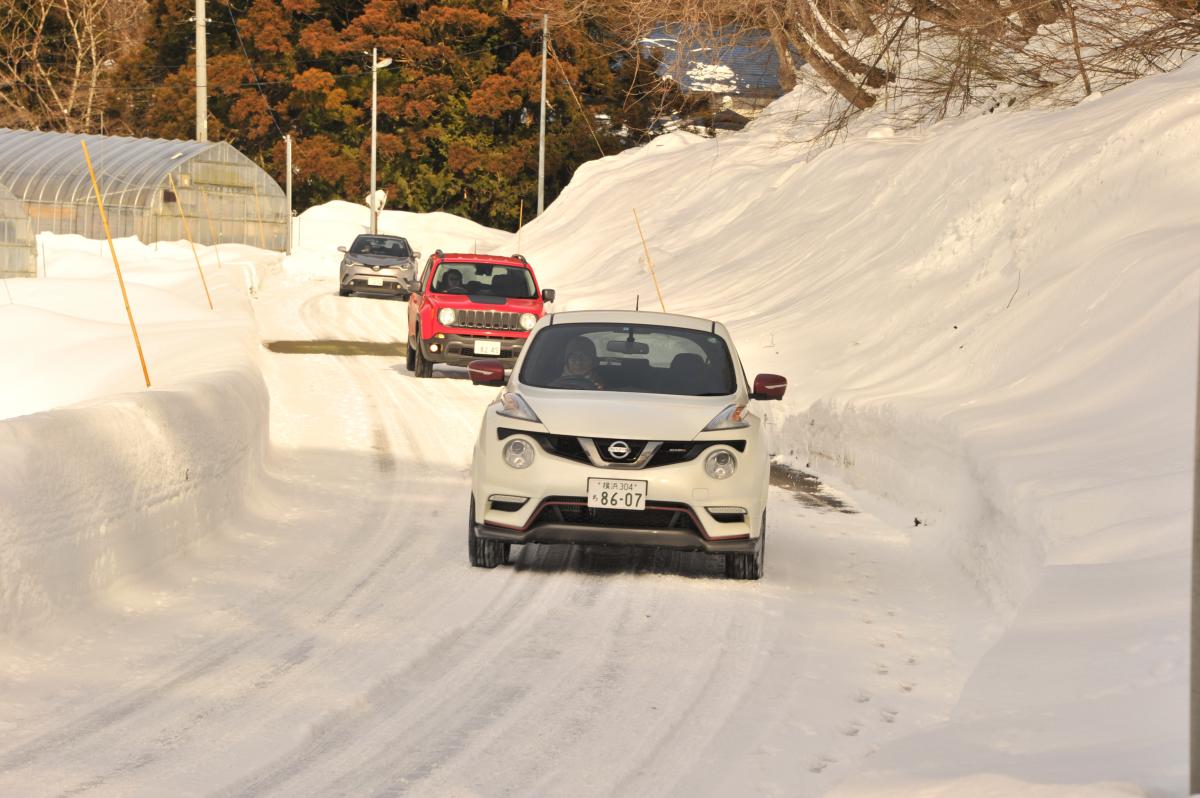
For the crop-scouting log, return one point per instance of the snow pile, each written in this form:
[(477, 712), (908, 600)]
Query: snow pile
[(990, 328), (321, 230), (99, 490)]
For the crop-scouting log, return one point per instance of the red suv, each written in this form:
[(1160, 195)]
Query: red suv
[(466, 307)]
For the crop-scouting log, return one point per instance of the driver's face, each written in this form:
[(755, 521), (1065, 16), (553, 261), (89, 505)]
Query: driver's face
[(579, 363), (453, 280)]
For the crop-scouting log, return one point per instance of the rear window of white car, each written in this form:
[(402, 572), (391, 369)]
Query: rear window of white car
[(632, 358)]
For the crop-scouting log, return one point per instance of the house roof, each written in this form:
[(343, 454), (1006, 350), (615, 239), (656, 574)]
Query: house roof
[(724, 61)]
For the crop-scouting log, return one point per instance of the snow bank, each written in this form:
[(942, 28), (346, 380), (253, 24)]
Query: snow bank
[(101, 477), (321, 230), (990, 331)]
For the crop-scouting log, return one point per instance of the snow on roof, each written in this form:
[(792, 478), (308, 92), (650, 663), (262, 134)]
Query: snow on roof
[(724, 61)]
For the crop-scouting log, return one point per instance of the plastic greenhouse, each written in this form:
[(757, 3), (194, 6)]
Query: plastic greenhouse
[(18, 253), (225, 196)]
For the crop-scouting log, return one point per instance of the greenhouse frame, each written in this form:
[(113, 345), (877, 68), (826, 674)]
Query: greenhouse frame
[(18, 245), (225, 197)]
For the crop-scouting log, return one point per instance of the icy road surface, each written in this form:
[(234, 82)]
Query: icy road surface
[(334, 640)]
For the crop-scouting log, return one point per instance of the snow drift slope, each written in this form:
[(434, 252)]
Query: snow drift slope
[(1006, 302), (109, 486), (990, 326)]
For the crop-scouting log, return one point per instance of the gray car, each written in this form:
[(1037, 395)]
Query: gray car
[(378, 265)]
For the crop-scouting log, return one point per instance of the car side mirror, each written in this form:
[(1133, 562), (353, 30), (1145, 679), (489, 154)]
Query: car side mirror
[(486, 372), (769, 386), (547, 294), (342, 250)]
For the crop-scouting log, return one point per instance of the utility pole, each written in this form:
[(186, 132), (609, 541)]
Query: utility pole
[(201, 74), (376, 65), (542, 128), (1194, 734), (287, 245)]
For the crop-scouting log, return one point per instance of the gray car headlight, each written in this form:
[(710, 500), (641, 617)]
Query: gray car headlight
[(720, 464), (518, 453), (446, 316), (527, 321)]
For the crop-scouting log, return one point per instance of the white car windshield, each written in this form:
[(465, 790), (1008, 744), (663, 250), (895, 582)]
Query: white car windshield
[(629, 357)]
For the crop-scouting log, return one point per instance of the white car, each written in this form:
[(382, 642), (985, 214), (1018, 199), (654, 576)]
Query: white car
[(623, 428)]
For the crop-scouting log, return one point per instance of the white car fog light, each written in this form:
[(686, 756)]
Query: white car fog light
[(446, 316), (527, 321), (433, 347), (518, 453), (720, 464)]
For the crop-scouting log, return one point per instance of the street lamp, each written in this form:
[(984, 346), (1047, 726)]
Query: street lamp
[(376, 65)]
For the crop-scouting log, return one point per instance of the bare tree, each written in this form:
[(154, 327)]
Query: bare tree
[(54, 56)]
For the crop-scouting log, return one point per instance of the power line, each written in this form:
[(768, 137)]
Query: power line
[(254, 73)]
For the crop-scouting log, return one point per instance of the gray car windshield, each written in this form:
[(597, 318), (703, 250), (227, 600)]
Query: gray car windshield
[(633, 358), (483, 279), (380, 245)]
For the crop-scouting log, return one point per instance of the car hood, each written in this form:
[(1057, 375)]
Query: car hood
[(486, 302), (614, 414), (380, 260)]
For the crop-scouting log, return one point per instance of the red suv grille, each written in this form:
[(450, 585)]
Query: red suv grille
[(487, 320)]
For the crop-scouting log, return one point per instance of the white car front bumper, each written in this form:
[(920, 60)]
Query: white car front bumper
[(685, 508)]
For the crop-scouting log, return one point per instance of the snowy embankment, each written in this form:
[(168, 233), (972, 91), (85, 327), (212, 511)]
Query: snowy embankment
[(990, 332), (102, 478)]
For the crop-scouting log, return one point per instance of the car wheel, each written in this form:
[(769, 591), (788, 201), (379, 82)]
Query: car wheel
[(421, 366), (343, 292), (748, 565), (410, 362), (484, 553)]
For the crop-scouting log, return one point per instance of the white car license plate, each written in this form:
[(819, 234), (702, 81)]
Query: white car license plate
[(617, 494), (375, 281), (487, 347)]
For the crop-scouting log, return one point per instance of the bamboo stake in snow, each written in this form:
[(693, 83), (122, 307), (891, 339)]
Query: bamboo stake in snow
[(649, 260), (187, 231), (116, 264), (212, 230), (258, 211)]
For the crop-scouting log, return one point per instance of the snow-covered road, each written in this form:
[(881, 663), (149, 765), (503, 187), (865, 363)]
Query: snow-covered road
[(333, 640)]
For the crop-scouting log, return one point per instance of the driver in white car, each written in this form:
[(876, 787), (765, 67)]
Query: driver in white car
[(579, 367)]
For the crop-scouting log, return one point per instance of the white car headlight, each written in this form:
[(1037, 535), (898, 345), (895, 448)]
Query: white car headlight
[(518, 453), (527, 321), (513, 405), (732, 417), (446, 316), (720, 464)]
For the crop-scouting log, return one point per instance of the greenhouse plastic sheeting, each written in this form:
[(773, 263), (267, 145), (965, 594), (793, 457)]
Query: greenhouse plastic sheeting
[(225, 196), (18, 253)]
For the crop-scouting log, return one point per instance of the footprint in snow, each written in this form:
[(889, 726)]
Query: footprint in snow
[(888, 715), (881, 668), (862, 697), (851, 729), (820, 763), (906, 687)]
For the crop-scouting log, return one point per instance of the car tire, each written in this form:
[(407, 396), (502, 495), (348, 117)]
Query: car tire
[(748, 565), (421, 367), (343, 292), (410, 360), (482, 552)]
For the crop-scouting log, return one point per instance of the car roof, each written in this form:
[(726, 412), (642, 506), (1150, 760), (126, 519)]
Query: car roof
[(647, 317), (465, 257), (381, 235)]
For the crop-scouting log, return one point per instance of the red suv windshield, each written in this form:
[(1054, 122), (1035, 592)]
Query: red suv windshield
[(483, 279)]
